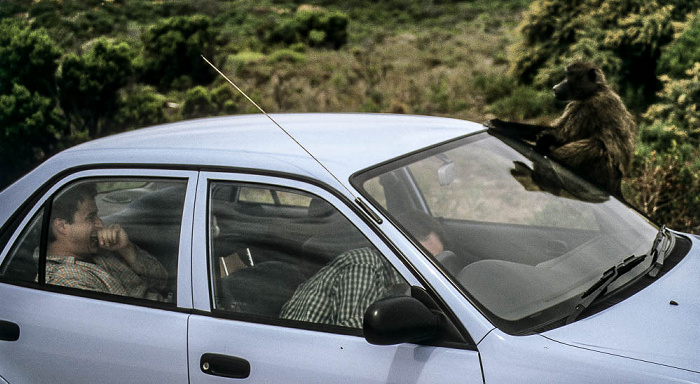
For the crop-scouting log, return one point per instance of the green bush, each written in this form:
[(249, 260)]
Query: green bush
[(173, 48), (524, 103), (89, 83), (31, 127), (677, 112), (316, 27), (198, 103), (287, 55), (665, 182), (27, 57), (226, 99), (683, 52), (494, 87), (625, 37), (9, 8), (139, 106), (667, 188)]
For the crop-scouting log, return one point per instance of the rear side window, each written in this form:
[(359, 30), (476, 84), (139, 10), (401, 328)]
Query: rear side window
[(116, 235), (21, 263)]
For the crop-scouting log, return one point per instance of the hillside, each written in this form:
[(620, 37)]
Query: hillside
[(74, 70)]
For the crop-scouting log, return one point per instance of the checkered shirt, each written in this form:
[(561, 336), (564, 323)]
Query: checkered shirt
[(109, 274), (341, 291)]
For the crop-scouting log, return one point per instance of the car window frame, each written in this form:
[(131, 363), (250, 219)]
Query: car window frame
[(203, 298), (43, 200)]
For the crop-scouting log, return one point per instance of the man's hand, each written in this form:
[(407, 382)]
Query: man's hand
[(114, 238)]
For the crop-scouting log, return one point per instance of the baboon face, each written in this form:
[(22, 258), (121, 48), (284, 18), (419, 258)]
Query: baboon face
[(583, 80)]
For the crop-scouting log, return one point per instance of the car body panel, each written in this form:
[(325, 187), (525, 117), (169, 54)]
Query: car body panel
[(646, 326), (68, 339), (92, 340), (536, 359), (287, 355)]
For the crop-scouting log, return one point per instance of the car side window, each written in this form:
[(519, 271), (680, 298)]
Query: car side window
[(116, 235), (302, 260), (21, 263)]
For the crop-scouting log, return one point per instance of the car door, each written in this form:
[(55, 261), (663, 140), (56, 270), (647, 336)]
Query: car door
[(65, 333), (259, 243)]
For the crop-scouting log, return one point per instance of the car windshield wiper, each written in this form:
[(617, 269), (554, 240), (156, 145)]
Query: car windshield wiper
[(662, 243), (601, 286)]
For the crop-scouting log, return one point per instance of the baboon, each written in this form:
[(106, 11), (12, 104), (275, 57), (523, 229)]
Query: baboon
[(595, 136)]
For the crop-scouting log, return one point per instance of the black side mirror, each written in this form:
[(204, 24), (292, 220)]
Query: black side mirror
[(400, 319)]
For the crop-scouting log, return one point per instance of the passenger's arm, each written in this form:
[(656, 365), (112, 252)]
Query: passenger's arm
[(114, 238)]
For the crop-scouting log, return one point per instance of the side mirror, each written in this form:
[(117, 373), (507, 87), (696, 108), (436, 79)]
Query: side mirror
[(400, 319)]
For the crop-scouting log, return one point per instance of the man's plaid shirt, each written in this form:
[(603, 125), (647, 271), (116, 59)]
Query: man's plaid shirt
[(110, 274), (341, 291)]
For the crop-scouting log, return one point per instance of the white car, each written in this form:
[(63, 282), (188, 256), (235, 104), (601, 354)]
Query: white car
[(391, 249)]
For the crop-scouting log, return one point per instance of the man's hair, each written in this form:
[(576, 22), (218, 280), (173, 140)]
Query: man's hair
[(66, 203), (420, 225)]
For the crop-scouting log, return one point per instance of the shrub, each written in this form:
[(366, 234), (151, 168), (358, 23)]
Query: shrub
[(494, 87), (316, 27), (31, 126), (173, 48), (523, 103), (665, 181), (683, 52), (27, 57), (287, 55), (9, 8), (624, 37), (667, 189), (139, 106), (677, 110), (198, 103), (225, 98), (89, 83)]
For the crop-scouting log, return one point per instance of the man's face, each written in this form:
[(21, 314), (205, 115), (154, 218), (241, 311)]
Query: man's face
[(82, 233), (433, 244)]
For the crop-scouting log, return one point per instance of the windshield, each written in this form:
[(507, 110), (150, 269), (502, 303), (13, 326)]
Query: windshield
[(523, 237)]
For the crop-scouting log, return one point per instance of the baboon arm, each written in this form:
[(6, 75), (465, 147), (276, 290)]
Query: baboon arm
[(518, 130)]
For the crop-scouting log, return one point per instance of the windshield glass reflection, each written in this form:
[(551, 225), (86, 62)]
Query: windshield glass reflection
[(524, 237)]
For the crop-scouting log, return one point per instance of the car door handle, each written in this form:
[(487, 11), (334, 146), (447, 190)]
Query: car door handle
[(8, 331), (226, 366)]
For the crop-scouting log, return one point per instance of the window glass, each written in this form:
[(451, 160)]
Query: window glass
[(301, 260), (256, 195), (115, 235), (293, 199), (487, 186), (20, 265), (525, 237)]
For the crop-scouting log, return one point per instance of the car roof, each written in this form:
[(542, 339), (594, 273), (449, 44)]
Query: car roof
[(344, 143)]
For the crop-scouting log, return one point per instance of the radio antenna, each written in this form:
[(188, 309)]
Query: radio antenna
[(280, 127)]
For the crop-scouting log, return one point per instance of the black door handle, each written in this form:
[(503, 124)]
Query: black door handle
[(226, 366), (8, 331)]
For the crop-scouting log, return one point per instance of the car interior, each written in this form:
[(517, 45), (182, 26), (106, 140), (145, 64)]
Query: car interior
[(279, 247)]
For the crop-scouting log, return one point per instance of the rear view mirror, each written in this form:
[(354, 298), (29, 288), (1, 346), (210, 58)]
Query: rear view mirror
[(400, 319), (446, 173)]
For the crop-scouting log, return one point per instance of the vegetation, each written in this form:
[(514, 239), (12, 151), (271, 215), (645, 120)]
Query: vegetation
[(73, 70), (651, 54)]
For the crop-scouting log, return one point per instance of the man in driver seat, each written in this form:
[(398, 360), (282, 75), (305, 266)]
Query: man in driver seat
[(340, 292), (83, 253)]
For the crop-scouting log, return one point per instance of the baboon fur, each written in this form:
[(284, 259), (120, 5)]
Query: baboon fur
[(595, 136)]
